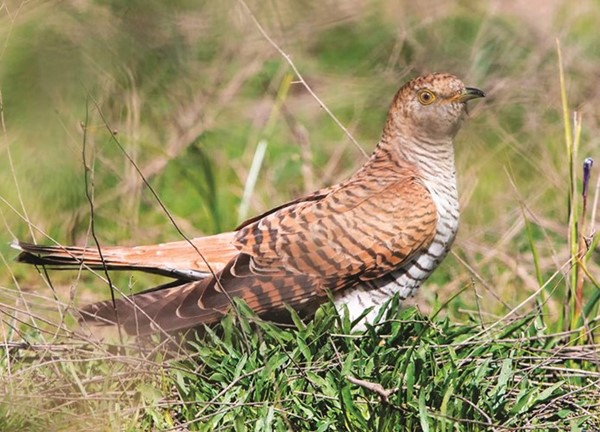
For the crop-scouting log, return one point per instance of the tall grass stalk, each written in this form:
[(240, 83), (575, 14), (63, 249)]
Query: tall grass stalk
[(261, 147), (571, 144), (576, 309)]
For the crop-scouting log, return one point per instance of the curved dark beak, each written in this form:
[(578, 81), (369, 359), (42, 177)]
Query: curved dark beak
[(471, 93)]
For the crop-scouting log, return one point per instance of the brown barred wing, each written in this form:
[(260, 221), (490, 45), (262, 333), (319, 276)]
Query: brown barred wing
[(363, 229)]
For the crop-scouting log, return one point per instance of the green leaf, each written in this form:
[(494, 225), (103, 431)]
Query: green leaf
[(506, 373), (353, 415), (548, 392), (444, 405), (300, 325), (348, 363), (409, 377), (304, 349), (423, 416), (524, 400)]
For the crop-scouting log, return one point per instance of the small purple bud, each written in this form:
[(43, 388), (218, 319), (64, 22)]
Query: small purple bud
[(587, 167)]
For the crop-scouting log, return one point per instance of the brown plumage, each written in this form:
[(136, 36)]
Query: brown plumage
[(380, 232)]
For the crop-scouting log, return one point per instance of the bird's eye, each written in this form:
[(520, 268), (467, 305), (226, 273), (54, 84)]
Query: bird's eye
[(425, 97)]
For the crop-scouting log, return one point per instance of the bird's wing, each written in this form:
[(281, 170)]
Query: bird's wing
[(314, 196), (361, 229)]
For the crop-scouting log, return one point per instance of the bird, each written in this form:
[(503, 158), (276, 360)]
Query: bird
[(380, 232)]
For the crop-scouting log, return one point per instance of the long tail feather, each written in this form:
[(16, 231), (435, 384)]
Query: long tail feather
[(176, 259)]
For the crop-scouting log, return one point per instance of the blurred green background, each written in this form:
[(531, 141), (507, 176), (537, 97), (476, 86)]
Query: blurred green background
[(189, 88)]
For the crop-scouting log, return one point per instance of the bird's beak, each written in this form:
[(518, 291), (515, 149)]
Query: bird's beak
[(470, 93)]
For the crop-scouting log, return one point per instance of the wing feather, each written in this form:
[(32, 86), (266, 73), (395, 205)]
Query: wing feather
[(353, 231)]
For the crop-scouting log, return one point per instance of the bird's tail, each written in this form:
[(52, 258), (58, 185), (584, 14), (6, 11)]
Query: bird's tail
[(150, 311), (192, 260)]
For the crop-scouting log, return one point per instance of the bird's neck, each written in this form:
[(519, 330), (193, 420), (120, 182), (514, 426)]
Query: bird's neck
[(432, 160)]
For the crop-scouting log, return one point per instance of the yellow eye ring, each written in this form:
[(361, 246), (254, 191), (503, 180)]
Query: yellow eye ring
[(425, 97)]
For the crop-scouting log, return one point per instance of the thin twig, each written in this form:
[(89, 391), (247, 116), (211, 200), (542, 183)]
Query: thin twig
[(89, 193), (383, 393)]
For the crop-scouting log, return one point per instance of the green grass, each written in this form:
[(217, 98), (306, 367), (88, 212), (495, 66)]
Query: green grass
[(445, 376), (245, 374), (498, 340)]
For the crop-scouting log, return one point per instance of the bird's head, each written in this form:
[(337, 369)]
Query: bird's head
[(432, 106)]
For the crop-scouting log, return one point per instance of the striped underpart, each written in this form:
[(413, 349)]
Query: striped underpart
[(435, 161)]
